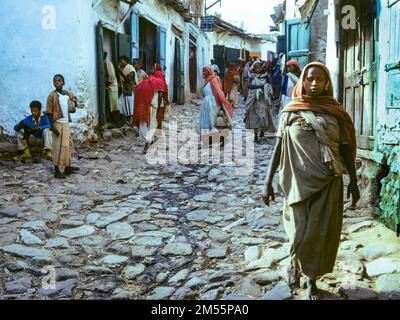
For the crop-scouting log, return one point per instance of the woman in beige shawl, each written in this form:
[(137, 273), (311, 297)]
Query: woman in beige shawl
[(316, 145)]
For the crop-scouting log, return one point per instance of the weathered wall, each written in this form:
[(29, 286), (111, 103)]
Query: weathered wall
[(164, 16), (319, 27), (388, 120), (332, 36), (32, 53)]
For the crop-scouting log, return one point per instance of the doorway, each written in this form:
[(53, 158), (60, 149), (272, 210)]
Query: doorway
[(147, 43), (192, 67), (178, 73), (358, 71)]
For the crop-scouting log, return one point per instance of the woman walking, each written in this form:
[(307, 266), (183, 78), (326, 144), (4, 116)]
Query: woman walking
[(231, 84), (316, 146), (258, 114), (214, 102), (148, 96)]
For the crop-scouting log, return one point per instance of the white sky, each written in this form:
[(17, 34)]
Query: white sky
[(255, 14)]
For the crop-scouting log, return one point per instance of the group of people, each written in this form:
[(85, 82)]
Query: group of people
[(254, 80), (50, 130), (143, 96), (132, 95)]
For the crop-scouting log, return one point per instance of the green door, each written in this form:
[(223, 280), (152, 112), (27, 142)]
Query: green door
[(297, 42), (124, 45)]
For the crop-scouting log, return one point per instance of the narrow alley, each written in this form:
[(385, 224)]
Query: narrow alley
[(125, 229)]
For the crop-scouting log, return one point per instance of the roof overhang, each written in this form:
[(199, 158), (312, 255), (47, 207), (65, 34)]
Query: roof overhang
[(307, 10), (179, 7)]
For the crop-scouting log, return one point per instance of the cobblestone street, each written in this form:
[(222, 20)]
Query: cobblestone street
[(125, 229)]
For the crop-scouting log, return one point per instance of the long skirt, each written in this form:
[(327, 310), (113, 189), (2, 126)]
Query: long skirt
[(126, 105), (147, 131), (208, 112), (259, 115), (113, 100), (314, 227), (233, 95), (63, 145)]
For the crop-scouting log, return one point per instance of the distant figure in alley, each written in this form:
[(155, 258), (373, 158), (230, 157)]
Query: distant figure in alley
[(258, 116)]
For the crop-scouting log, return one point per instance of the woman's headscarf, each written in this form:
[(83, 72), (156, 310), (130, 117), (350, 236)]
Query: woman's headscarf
[(216, 88), (160, 75), (296, 65), (323, 104)]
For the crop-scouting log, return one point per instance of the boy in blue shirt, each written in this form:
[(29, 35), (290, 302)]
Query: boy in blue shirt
[(34, 131)]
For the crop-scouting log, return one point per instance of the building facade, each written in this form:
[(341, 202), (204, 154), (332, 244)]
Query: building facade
[(70, 37)]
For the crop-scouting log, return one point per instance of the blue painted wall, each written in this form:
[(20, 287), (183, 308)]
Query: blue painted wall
[(31, 55)]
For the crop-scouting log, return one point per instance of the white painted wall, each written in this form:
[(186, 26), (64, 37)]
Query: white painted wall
[(332, 61), (292, 10), (31, 54)]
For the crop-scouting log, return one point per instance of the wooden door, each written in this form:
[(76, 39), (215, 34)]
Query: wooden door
[(358, 71), (393, 67), (297, 42), (124, 45), (162, 46)]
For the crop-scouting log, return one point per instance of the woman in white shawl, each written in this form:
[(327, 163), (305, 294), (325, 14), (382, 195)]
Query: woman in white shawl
[(289, 82), (258, 114)]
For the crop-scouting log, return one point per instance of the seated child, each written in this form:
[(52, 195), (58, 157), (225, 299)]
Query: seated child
[(34, 131)]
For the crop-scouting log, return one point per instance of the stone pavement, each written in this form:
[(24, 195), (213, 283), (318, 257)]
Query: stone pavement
[(126, 229)]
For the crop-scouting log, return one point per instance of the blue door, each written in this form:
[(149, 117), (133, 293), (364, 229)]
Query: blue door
[(162, 46), (297, 42), (135, 34)]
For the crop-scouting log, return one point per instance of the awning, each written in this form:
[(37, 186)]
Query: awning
[(307, 10)]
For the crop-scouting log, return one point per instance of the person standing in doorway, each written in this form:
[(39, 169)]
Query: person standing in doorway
[(128, 81), (111, 84), (60, 103), (141, 74), (316, 145)]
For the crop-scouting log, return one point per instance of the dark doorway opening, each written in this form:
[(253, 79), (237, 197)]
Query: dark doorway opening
[(147, 43), (178, 74), (192, 65)]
